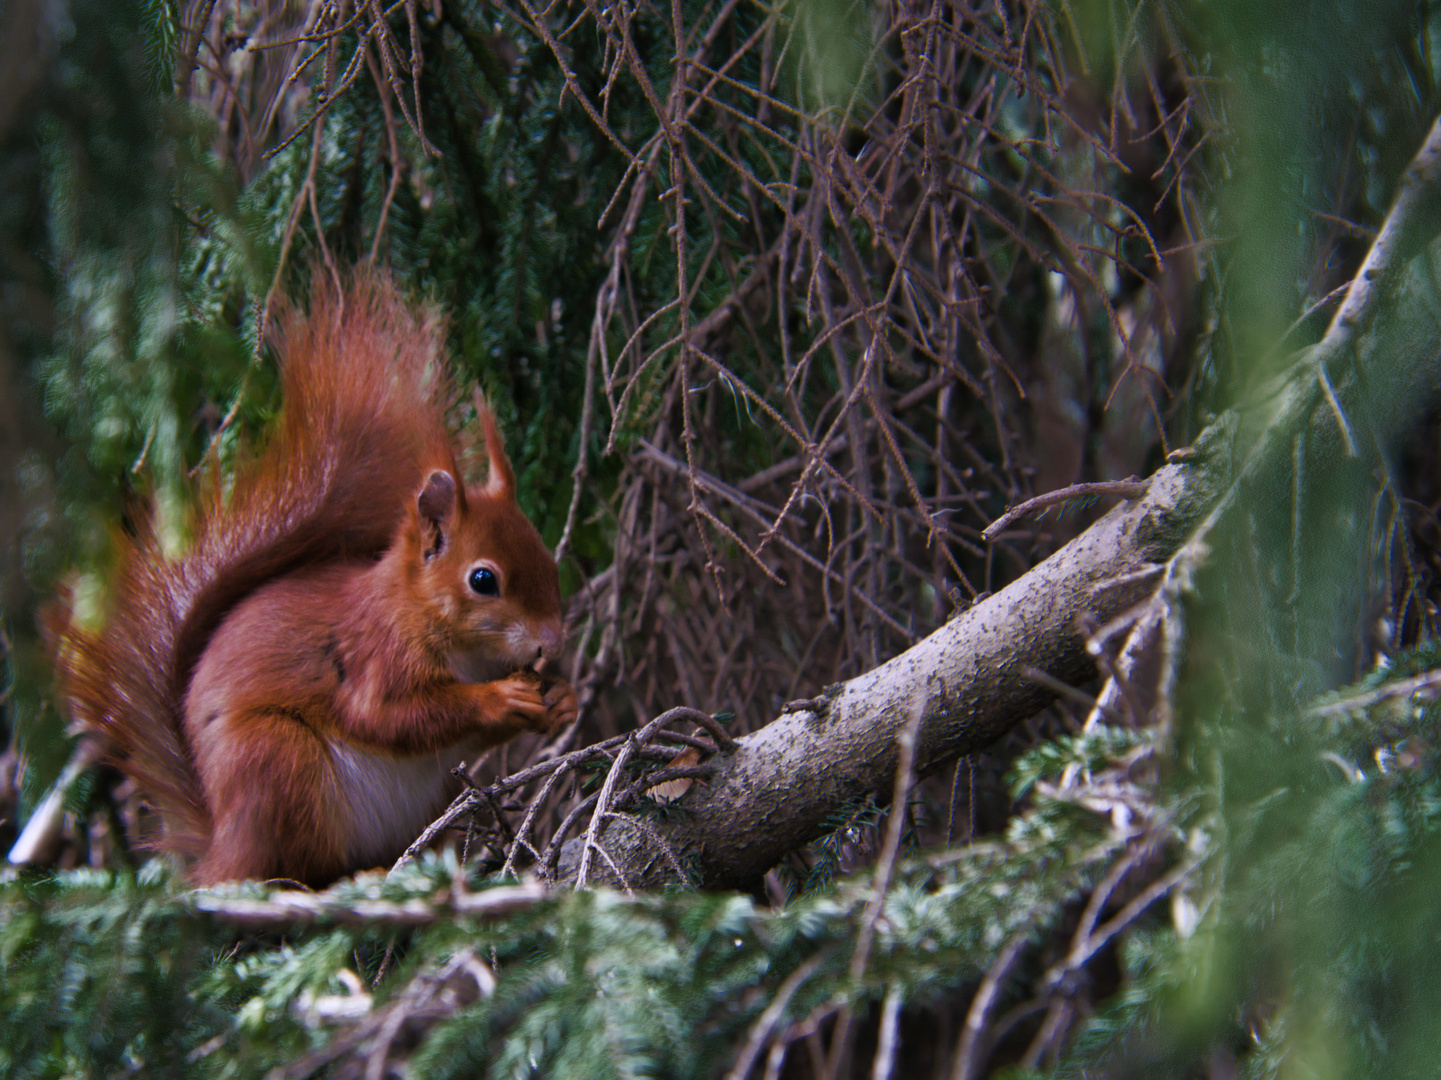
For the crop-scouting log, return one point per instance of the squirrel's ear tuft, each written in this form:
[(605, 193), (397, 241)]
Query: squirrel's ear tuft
[(501, 482), (436, 504)]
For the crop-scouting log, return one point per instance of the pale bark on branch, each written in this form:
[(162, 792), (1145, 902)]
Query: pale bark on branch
[(1371, 377)]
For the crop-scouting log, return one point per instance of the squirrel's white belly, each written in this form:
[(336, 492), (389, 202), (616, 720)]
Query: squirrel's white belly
[(389, 801)]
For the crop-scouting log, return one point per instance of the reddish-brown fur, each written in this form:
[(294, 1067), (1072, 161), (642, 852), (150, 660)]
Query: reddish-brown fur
[(292, 692)]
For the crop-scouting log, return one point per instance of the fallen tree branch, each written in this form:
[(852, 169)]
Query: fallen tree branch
[(787, 780)]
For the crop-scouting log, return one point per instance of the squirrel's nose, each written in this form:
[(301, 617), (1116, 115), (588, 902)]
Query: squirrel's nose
[(551, 639)]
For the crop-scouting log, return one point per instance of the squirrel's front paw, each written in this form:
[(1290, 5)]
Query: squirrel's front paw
[(521, 699), (561, 704)]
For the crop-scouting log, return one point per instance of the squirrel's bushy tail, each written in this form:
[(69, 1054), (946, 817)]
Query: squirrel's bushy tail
[(365, 395)]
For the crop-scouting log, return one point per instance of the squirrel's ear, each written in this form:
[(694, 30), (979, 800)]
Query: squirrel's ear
[(436, 506), (501, 482)]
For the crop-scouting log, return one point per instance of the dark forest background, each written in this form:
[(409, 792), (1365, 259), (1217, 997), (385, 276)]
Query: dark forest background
[(780, 306)]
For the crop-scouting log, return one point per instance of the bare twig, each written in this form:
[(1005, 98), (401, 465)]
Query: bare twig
[(1426, 686), (760, 1031), (972, 1045), (282, 909), (1126, 489)]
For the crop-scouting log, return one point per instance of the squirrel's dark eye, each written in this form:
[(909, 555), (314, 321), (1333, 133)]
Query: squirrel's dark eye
[(483, 582)]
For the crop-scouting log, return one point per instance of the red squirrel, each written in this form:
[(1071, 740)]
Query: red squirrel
[(348, 623)]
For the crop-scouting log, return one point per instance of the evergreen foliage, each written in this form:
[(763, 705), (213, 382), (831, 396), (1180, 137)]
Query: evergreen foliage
[(1311, 929), (106, 972)]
